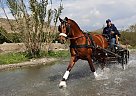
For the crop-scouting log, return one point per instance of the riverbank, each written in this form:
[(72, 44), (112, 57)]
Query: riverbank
[(19, 60), (32, 62)]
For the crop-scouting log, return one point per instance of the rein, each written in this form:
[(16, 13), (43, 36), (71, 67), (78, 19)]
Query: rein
[(75, 37)]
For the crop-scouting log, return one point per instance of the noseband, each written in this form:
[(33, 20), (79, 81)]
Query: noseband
[(63, 34)]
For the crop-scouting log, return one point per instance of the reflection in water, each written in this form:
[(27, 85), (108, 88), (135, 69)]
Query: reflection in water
[(44, 80)]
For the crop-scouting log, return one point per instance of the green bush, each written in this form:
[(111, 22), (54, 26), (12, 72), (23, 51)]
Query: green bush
[(9, 37), (129, 38), (3, 36), (14, 37)]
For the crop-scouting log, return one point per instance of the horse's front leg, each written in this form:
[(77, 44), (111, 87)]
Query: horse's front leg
[(65, 77)]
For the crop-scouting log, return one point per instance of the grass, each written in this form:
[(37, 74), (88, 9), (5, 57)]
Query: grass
[(9, 58), (58, 54)]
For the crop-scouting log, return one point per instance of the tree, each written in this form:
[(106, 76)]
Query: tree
[(34, 22), (132, 28)]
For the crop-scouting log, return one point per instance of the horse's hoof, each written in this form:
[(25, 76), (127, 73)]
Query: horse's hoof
[(62, 84), (95, 75), (124, 67)]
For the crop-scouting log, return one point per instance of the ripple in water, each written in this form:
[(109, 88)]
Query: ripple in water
[(132, 63)]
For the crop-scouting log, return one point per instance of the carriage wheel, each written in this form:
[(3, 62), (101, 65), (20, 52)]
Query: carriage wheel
[(128, 54), (123, 59), (126, 58), (123, 63)]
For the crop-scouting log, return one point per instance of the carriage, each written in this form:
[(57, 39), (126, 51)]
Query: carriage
[(119, 55)]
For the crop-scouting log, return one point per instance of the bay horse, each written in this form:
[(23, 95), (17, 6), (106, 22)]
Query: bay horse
[(81, 45)]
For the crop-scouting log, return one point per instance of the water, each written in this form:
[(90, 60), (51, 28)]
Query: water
[(44, 80)]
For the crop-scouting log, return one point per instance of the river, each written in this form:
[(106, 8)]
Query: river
[(44, 80)]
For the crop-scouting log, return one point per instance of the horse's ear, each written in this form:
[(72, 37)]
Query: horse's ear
[(66, 19), (60, 19)]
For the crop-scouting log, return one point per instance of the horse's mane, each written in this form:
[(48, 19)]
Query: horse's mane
[(75, 24)]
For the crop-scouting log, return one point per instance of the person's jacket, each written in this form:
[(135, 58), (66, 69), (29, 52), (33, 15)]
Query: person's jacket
[(107, 31)]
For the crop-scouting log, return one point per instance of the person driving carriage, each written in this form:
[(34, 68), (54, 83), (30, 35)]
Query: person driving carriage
[(112, 34)]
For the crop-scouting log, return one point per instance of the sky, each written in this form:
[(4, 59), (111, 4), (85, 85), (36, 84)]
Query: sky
[(91, 14)]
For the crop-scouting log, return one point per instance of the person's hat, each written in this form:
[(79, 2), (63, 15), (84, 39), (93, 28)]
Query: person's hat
[(108, 20)]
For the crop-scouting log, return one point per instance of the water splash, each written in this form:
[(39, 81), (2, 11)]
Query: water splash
[(103, 74)]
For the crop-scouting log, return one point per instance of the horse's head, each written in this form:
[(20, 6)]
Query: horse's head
[(64, 29)]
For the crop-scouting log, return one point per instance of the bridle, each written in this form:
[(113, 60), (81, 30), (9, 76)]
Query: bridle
[(68, 35), (68, 30)]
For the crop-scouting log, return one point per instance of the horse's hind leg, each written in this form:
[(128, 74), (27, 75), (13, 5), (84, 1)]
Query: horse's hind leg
[(92, 67), (103, 63), (103, 60), (65, 77)]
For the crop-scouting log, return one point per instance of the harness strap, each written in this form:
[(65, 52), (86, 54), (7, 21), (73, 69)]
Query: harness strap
[(92, 41), (74, 37), (81, 46), (91, 45)]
